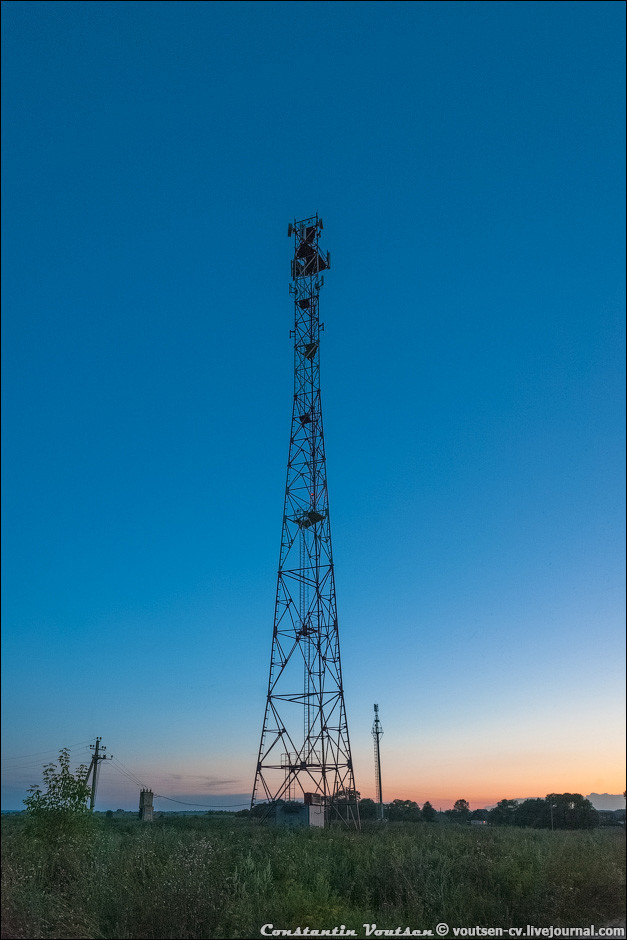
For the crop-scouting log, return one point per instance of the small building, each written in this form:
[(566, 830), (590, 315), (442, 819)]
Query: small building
[(295, 815), (146, 810)]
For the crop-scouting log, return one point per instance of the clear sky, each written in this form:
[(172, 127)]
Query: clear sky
[(467, 160)]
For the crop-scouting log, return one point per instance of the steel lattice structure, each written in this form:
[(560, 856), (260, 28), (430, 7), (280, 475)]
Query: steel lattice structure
[(377, 731), (305, 746)]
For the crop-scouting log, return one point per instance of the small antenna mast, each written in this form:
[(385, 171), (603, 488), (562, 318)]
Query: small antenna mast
[(377, 731)]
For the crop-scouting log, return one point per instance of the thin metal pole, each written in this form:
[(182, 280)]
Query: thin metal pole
[(377, 731)]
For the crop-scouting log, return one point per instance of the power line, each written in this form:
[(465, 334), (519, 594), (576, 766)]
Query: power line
[(128, 776), (49, 751), (129, 773), (122, 769), (24, 765), (206, 805)]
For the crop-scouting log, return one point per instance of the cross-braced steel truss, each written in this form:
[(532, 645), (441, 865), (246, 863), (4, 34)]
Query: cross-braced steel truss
[(305, 747)]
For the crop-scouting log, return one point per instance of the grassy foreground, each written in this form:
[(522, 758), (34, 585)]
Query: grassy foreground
[(202, 877)]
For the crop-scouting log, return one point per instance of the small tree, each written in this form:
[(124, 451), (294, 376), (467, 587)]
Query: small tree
[(461, 811), (367, 809), (428, 812), (404, 811), (504, 813), (63, 802), (572, 811), (533, 812)]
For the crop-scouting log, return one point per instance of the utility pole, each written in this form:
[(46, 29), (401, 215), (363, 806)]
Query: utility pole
[(93, 769), (305, 751), (377, 731)]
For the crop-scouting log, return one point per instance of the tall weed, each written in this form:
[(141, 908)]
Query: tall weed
[(204, 877)]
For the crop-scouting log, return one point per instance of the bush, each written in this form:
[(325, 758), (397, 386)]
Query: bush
[(61, 808)]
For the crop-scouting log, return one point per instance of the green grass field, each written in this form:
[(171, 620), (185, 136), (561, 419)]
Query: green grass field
[(204, 877)]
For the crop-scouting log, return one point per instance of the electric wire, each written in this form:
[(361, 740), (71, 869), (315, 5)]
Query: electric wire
[(121, 768), (117, 765), (206, 805), (32, 765), (15, 767), (129, 773), (48, 751), (128, 777)]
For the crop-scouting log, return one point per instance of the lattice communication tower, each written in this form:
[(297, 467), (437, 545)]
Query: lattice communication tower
[(305, 753), (377, 731)]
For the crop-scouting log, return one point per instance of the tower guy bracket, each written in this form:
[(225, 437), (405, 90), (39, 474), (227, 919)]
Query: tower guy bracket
[(304, 753)]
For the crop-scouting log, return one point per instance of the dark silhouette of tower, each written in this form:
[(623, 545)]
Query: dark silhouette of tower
[(377, 731), (304, 751)]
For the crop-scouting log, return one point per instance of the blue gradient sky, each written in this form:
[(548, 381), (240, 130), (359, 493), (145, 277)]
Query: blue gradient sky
[(467, 159)]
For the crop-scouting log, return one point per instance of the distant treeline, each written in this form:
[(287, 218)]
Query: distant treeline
[(555, 811)]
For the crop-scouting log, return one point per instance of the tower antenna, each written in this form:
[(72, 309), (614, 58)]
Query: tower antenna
[(377, 731), (304, 752)]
